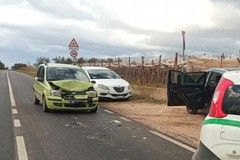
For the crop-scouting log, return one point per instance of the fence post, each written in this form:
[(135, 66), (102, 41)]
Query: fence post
[(222, 57), (142, 71), (109, 63), (158, 70), (175, 61), (129, 70), (118, 62), (101, 62)]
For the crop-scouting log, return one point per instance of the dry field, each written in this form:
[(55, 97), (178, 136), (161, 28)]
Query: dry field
[(173, 121)]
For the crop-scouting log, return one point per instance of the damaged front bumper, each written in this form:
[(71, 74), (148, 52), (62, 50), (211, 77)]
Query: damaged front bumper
[(58, 103)]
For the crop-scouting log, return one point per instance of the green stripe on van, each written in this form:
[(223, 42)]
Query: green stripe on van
[(222, 122)]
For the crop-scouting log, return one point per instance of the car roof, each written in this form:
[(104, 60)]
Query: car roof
[(61, 65), (234, 76), (222, 70), (94, 67)]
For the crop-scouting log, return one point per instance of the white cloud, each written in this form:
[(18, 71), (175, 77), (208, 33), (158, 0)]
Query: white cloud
[(116, 28), (20, 16), (160, 15)]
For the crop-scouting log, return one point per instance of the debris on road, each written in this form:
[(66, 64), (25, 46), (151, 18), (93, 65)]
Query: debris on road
[(117, 122)]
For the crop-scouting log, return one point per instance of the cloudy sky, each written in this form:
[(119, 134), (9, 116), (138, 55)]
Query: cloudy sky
[(116, 28)]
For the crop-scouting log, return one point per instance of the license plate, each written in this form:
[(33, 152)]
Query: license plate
[(119, 97), (72, 102)]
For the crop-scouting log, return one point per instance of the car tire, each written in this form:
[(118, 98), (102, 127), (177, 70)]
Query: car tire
[(192, 110), (94, 110), (45, 107), (35, 100)]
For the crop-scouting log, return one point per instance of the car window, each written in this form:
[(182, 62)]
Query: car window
[(192, 78), (57, 73), (102, 74), (40, 72), (231, 101), (214, 79)]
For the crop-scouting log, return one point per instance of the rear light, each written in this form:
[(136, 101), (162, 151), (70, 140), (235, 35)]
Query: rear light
[(216, 104)]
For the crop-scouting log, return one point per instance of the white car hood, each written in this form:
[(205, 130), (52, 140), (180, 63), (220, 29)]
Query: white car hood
[(112, 82)]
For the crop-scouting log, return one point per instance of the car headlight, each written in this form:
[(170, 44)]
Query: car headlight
[(103, 87), (92, 94), (129, 87), (55, 93)]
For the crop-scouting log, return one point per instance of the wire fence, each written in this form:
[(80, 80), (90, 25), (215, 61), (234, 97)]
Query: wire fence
[(154, 72)]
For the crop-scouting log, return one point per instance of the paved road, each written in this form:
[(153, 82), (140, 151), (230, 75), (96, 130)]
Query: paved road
[(27, 133)]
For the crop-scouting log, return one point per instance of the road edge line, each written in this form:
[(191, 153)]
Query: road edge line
[(11, 92), (173, 141)]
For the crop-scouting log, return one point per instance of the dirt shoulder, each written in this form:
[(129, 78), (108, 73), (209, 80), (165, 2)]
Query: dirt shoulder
[(172, 121)]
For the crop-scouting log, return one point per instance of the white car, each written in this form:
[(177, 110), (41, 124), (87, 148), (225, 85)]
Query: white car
[(108, 84), (220, 132)]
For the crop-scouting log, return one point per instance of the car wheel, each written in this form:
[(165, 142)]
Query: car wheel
[(45, 107), (192, 110), (35, 100), (94, 110)]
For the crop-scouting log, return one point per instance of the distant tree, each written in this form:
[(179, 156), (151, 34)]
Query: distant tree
[(69, 61), (57, 59), (18, 66), (110, 60), (2, 65), (92, 60), (81, 60), (40, 60)]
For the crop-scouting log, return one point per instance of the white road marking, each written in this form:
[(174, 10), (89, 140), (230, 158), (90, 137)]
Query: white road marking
[(108, 111), (173, 141), (21, 148), (14, 111), (17, 123), (10, 92), (125, 119)]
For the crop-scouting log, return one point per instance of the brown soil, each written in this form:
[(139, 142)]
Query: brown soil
[(172, 121)]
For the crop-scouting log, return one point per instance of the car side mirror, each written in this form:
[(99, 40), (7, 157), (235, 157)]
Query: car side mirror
[(93, 82)]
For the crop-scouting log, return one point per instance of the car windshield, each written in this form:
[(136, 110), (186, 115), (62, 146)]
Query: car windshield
[(102, 74), (57, 73)]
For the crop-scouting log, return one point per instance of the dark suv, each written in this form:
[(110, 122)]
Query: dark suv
[(193, 89)]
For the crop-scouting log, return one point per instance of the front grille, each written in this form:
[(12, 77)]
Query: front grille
[(69, 95), (119, 89), (116, 95), (76, 105)]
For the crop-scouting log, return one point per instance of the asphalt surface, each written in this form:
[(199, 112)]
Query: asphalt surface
[(72, 135)]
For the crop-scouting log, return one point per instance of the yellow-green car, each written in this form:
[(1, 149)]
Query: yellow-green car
[(64, 87)]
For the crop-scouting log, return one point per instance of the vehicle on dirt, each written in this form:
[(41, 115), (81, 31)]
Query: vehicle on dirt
[(64, 87), (193, 89), (108, 83), (220, 132)]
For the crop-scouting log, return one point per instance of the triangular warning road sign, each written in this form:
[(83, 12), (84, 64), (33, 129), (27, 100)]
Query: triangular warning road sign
[(73, 45)]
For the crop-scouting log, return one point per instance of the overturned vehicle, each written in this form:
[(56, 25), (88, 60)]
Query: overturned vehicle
[(64, 87)]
